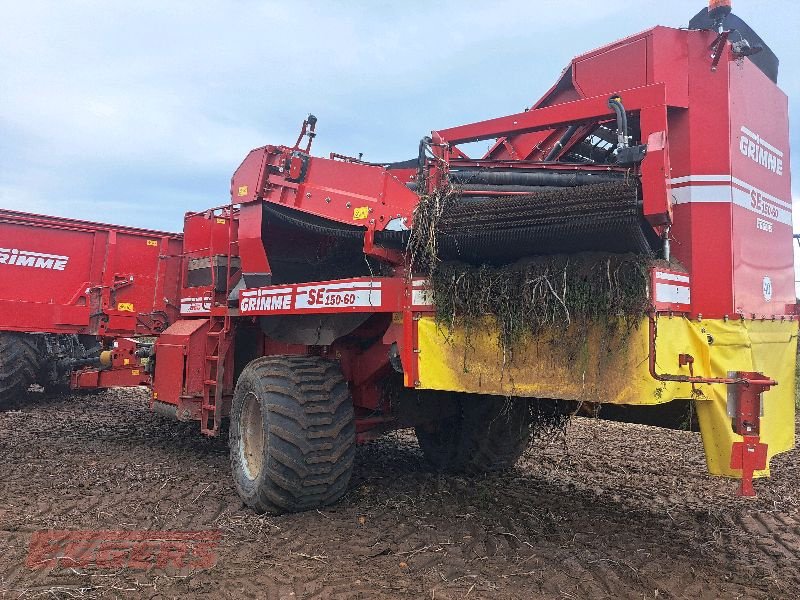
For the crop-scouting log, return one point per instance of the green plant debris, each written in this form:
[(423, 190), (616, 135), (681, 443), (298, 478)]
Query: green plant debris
[(532, 295), (538, 293), (423, 249)]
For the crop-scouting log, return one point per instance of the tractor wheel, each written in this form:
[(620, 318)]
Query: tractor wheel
[(292, 434), (487, 433), (20, 360)]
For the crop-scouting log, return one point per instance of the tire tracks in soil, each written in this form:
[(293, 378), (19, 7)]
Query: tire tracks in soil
[(618, 512)]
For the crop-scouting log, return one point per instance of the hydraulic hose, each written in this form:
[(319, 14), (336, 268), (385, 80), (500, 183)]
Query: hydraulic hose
[(615, 103), (422, 158), (560, 143)]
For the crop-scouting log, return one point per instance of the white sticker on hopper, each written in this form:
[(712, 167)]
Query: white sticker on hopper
[(672, 294)]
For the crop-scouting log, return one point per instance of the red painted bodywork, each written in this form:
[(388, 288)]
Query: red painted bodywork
[(112, 281)]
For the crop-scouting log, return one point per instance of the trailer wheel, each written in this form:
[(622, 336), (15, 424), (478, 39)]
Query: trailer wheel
[(20, 360), (487, 433), (292, 434)]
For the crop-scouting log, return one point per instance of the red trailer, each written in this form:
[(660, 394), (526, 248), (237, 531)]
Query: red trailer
[(303, 321), (84, 289)]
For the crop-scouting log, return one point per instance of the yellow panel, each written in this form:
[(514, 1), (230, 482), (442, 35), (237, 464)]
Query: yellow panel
[(596, 365), (763, 346)]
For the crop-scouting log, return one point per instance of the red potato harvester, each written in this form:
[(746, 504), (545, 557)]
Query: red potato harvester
[(293, 312)]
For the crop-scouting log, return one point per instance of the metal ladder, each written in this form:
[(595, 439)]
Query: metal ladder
[(217, 345), (218, 342)]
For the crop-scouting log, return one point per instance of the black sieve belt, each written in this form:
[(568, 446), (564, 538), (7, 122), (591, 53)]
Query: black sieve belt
[(600, 217)]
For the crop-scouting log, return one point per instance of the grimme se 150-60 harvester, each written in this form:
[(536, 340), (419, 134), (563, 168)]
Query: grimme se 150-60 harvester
[(625, 241)]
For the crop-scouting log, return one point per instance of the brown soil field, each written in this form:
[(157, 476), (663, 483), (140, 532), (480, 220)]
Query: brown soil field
[(608, 511)]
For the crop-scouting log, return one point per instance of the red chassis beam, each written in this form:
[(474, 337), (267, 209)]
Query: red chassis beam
[(649, 101), (551, 117), (362, 294), (89, 379)]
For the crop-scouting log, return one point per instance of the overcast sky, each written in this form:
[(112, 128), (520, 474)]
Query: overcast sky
[(135, 112)]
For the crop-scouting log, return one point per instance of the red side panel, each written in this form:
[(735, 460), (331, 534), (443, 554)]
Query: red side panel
[(620, 68), (701, 161), (63, 275), (668, 62), (731, 188), (180, 360), (763, 269)]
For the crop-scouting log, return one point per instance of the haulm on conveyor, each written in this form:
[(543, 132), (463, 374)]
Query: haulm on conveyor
[(497, 229), (470, 249), (534, 295), (640, 211)]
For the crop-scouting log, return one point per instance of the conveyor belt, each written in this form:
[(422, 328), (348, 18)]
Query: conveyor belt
[(603, 217), (498, 229)]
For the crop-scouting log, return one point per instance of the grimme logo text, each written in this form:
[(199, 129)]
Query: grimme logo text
[(759, 150), (37, 260)]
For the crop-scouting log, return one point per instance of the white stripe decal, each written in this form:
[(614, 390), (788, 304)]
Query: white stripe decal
[(338, 298), (422, 297), (672, 277), (352, 285), (765, 195), (36, 254), (701, 193), (764, 209), (701, 179), (736, 191), (265, 292)]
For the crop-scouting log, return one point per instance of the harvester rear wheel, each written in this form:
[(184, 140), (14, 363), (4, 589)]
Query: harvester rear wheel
[(487, 433), (20, 361), (292, 434)]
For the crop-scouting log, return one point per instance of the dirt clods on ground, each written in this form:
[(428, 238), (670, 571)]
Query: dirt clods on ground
[(612, 511)]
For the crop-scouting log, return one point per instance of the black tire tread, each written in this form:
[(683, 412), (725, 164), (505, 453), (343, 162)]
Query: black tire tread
[(488, 434), (20, 362), (310, 437)]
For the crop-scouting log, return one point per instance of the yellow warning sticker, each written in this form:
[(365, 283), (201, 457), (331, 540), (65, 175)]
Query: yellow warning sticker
[(152, 242), (242, 190), (222, 221), (125, 307), (362, 212), (134, 371), (126, 361)]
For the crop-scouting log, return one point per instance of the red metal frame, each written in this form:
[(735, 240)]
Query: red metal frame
[(750, 454), (122, 368)]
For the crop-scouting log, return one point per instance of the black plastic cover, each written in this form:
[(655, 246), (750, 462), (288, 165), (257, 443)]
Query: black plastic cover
[(766, 60)]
